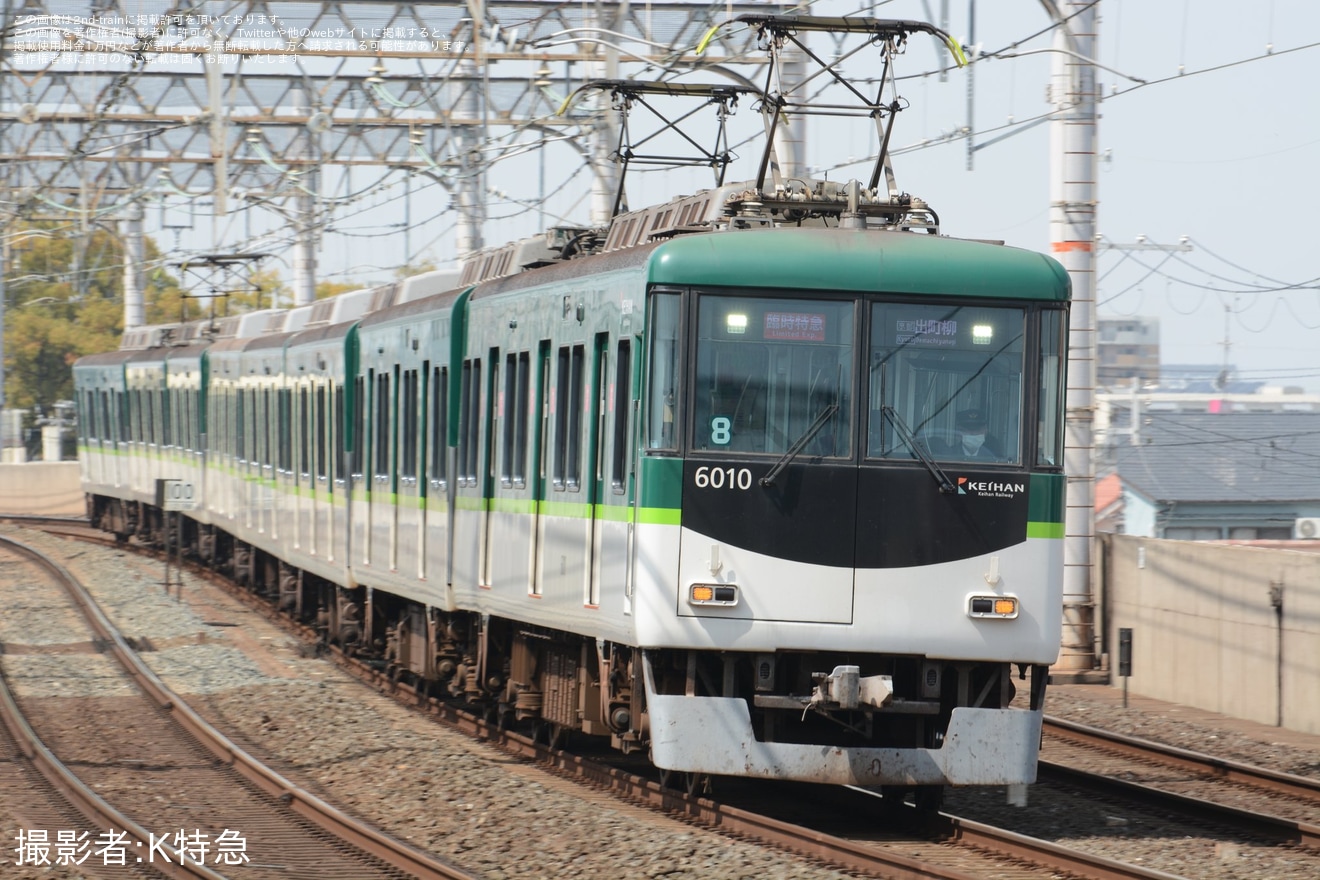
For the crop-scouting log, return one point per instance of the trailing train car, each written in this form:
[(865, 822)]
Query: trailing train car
[(764, 481)]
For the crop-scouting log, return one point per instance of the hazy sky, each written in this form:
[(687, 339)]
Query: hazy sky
[(1220, 146), (1224, 155)]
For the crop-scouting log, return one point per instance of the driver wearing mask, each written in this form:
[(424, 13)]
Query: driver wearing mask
[(970, 440)]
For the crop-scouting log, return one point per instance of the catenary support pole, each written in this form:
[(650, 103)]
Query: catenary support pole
[(1073, 204)]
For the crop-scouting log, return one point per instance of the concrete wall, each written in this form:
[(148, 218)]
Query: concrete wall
[(47, 488), (1205, 632)]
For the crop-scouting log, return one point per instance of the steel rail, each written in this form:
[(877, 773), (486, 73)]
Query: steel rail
[(847, 854), (330, 819), (1260, 824), (1042, 852), (80, 796), (1171, 756)]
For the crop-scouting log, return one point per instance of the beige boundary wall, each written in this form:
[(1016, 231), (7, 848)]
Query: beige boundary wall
[(45, 488), (1205, 632)]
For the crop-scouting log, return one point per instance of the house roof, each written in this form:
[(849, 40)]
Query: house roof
[(1108, 490), (1232, 456)]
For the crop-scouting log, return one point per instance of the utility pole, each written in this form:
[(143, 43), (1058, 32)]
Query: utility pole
[(1073, 204), (304, 243), (135, 254), (605, 174)]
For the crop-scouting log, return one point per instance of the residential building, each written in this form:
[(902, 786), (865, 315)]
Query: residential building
[(1221, 476)]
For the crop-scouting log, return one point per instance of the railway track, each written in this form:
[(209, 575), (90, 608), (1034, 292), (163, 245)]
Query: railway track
[(186, 801), (945, 847), (1275, 806), (1301, 789), (26, 773)]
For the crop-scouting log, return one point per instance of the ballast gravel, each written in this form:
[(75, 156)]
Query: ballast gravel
[(499, 818), (413, 778)]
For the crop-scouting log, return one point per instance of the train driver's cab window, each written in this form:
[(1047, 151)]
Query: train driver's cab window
[(946, 382), (773, 375)]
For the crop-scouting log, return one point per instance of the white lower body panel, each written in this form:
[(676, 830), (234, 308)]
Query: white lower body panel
[(714, 735)]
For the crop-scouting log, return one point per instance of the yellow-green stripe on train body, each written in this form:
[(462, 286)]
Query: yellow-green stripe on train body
[(796, 494), (850, 553)]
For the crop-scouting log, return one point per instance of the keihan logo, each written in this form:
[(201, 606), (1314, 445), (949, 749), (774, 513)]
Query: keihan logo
[(990, 489)]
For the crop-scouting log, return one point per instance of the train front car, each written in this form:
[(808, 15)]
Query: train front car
[(851, 501)]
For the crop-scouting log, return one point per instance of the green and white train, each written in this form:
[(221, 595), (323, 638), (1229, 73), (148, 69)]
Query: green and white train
[(695, 483)]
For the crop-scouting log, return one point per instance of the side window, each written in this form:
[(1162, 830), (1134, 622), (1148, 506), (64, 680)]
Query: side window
[(261, 418), (619, 458), (87, 420), (473, 427), (408, 425), (340, 444), (105, 416), (520, 429), (469, 422), (304, 432), (566, 474), (1053, 360), (291, 421), (602, 403), (171, 409), (662, 395), (185, 417), (320, 432), (275, 424), (513, 460), (439, 423), (240, 427), (148, 400), (359, 426), (382, 432), (254, 423)]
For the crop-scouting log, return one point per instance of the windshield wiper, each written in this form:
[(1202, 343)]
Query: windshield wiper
[(946, 485), (812, 430)]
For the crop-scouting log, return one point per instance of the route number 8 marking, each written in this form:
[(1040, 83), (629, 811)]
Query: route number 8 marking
[(723, 478), (721, 430)]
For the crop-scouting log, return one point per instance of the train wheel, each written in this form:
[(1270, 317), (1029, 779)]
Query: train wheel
[(690, 783), (894, 797), (930, 798), (549, 734)]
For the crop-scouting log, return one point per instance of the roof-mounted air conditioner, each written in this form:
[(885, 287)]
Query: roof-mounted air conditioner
[(1307, 527)]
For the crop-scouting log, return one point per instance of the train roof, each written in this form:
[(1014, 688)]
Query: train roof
[(861, 260), (312, 335), (102, 359), (858, 260), (568, 270), (409, 309)]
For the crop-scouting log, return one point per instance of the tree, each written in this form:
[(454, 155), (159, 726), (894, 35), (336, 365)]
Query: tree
[(64, 290), (326, 289)]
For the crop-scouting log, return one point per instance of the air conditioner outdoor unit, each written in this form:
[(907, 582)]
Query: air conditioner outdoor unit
[(1307, 527)]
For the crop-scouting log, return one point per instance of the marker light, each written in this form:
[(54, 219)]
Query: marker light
[(982, 334), (713, 594), (735, 325), (1005, 607)]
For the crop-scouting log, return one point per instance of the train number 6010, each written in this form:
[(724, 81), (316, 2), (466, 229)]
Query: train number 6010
[(723, 478)]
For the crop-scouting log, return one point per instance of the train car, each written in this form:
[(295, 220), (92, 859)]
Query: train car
[(745, 512), (763, 481), (318, 361)]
